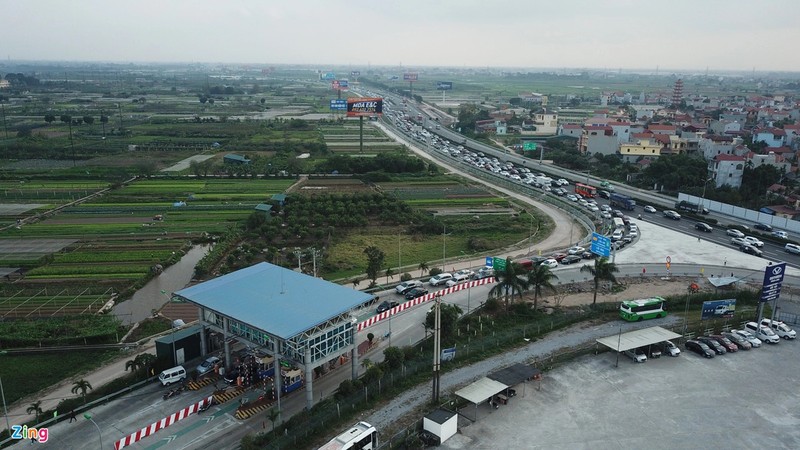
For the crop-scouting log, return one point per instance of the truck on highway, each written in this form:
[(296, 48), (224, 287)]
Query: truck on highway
[(622, 201), (691, 207)]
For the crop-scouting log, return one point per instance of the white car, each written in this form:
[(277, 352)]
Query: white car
[(463, 274), (583, 202), (572, 197), (617, 235), (755, 242), (550, 262), (576, 250), (406, 286), (562, 182), (735, 233), (207, 365), (605, 215), (747, 336), (440, 279), (792, 248), (605, 208), (739, 242), (593, 208), (780, 234), (762, 332), (650, 209), (780, 328)]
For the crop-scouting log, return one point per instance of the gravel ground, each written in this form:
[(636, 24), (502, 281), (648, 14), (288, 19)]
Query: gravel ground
[(400, 411)]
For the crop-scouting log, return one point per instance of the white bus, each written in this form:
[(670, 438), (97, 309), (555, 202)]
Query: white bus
[(619, 224), (361, 436)]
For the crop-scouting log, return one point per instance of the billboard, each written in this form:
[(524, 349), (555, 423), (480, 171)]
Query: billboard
[(718, 309), (773, 280), (355, 73), (339, 105), (328, 76), (410, 76), (364, 107), (340, 85), (444, 85)]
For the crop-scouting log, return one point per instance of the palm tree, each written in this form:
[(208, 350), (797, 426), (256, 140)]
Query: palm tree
[(602, 270), (83, 386), (423, 267), (132, 364), (36, 409), (538, 278), (511, 280), (140, 363), (389, 274), (273, 415)]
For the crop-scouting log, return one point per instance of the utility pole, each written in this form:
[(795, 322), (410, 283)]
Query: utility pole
[(298, 253), (437, 347)]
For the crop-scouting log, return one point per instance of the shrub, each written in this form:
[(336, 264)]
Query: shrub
[(405, 276), (434, 271)]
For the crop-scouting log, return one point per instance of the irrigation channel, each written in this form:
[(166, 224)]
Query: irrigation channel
[(157, 292)]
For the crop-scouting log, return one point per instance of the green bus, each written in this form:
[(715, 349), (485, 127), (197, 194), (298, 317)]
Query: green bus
[(644, 308)]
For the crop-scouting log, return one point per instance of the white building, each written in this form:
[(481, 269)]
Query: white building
[(727, 170)]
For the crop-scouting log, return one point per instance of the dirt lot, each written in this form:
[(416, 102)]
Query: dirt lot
[(581, 293)]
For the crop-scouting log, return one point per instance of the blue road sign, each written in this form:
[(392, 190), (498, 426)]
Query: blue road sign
[(489, 261), (338, 105), (773, 280), (601, 245)]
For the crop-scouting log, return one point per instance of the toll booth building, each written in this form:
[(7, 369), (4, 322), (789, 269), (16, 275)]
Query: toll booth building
[(295, 318)]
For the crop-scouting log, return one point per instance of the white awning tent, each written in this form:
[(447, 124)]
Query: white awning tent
[(481, 390), (637, 338)]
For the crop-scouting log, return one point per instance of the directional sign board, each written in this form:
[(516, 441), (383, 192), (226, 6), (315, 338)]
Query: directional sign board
[(529, 145), (339, 105), (773, 280), (489, 261), (601, 245), (499, 264)]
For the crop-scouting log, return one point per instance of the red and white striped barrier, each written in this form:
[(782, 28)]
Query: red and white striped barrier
[(161, 424), (427, 297)]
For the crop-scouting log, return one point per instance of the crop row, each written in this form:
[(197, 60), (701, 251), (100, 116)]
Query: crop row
[(78, 269), (111, 256)]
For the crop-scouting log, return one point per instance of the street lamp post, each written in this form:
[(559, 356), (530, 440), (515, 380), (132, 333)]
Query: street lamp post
[(88, 417), (444, 245), (530, 234)]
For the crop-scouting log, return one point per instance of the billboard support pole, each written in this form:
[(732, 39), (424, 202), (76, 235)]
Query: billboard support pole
[(360, 134)]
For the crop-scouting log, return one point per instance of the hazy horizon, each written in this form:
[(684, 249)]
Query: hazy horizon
[(722, 36)]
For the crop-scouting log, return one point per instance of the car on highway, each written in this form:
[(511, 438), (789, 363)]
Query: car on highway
[(792, 248), (571, 259), (576, 250), (650, 209), (550, 263), (441, 278), (558, 256), (604, 194), (593, 208), (387, 305), (572, 197), (780, 234), (605, 215), (725, 342), (763, 226), (670, 214), (605, 208), (616, 235), (734, 232), (699, 348), (739, 241), (740, 341), (754, 241), (207, 365), (562, 182), (406, 286), (703, 227), (750, 250), (749, 337), (588, 255), (463, 274), (416, 292), (712, 344)]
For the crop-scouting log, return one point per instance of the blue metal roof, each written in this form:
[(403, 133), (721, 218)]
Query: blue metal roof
[(279, 301)]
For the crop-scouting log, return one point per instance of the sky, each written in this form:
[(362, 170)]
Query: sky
[(746, 35)]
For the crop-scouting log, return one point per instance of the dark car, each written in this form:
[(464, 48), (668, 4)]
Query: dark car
[(749, 249), (558, 256), (571, 259), (763, 227), (416, 292), (604, 194), (738, 340), (713, 344), (385, 306), (588, 255), (699, 348), (703, 227), (725, 342), (230, 377)]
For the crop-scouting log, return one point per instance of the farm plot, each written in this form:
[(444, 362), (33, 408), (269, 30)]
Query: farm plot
[(440, 195), (318, 186)]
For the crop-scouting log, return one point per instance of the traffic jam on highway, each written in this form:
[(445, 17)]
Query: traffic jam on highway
[(585, 195)]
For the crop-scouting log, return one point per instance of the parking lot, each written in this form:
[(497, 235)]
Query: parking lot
[(746, 399)]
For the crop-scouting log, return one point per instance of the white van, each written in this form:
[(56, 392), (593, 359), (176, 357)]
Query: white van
[(764, 333), (780, 328), (173, 375)]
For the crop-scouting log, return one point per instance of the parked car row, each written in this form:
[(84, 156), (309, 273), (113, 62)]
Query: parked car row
[(639, 355), (751, 336)]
